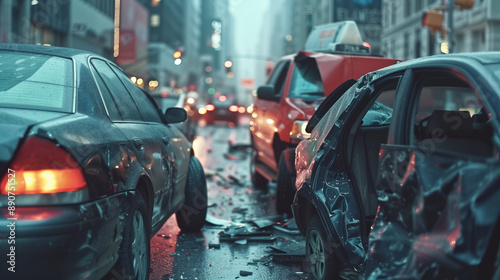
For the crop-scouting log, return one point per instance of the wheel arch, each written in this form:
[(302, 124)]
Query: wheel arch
[(145, 186), (279, 146), (305, 212)]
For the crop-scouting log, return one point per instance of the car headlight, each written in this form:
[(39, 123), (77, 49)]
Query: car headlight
[(298, 131)]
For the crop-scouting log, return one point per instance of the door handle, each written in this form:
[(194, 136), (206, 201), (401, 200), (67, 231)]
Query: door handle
[(138, 144)]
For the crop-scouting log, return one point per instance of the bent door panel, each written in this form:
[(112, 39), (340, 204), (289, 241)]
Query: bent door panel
[(143, 143), (436, 210)]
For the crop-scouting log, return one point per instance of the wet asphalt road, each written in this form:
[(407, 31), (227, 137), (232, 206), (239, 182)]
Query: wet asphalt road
[(243, 238)]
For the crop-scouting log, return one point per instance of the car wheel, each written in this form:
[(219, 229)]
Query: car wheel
[(320, 257), (192, 215), (284, 188), (134, 253), (258, 181)]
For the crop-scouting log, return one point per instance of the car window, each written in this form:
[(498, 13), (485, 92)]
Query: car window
[(109, 102), (306, 81), (35, 81), (126, 106), (449, 116), (380, 113), (327, 122), (148, 110), (278, 76)]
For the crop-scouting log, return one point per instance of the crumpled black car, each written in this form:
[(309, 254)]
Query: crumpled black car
[(90, 168), (400, 177)]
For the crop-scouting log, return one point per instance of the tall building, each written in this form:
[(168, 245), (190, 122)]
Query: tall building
[(15, 21), (174, 25), (403, 36), (59, 23), (94, 35)]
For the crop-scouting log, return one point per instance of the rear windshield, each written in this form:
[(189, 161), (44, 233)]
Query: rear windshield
[(35, 81)]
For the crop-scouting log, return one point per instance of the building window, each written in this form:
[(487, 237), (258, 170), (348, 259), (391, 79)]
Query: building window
[(155, 20), (407, 8), (406, 46), (418, 6), (417, 43), (394, 12)]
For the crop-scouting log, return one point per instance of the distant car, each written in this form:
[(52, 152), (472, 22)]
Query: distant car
[(90, 169), (294, 90), (221, 107), (400, 177)]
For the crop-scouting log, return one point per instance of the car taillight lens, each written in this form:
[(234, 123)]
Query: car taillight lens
[(210, 107), (42, 167), (233, 108)]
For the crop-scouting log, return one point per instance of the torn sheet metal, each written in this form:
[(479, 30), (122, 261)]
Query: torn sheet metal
[(436, 218)]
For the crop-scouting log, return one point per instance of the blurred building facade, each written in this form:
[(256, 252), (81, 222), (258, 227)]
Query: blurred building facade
[(309, 13), (139, 35), (403, 36)]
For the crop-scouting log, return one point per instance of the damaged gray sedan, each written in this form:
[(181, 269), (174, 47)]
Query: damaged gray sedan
[(90, 169), (400, 177)]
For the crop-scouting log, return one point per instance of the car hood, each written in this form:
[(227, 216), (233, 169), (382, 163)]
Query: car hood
[(14, 124)]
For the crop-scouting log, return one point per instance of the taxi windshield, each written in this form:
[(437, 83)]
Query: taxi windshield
[(306, 82)]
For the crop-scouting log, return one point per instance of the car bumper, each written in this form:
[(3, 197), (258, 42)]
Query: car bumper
[(222, 114), (62, 242)]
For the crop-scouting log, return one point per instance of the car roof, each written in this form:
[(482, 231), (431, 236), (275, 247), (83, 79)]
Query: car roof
[(76, 54), (458, 59)]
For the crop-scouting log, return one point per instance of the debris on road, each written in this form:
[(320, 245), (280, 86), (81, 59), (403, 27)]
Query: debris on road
[(245, 273), (164, 235), (213, 245)]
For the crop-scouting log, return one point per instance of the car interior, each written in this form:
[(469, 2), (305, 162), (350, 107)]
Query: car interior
[(451, 118)]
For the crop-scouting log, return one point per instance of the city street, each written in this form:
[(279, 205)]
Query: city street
[(243, 236)]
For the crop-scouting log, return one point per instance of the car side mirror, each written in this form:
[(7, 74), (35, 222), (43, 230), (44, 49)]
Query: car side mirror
[(267, 93), (175, 115)]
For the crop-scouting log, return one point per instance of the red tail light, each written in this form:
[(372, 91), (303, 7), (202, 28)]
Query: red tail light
[(233, 108), (210, 107), (42, 167)]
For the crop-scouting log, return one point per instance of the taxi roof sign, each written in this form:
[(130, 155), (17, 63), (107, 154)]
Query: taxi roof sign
[(342, 36)]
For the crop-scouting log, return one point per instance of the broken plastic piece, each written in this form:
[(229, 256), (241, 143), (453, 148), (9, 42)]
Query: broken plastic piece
[(245, 273)]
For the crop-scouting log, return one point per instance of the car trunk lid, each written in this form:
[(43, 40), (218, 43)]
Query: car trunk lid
[(14, 124)]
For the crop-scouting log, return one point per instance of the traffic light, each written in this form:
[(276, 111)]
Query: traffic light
[(229, 64), (177, 57), (433, 20), (464, 4)]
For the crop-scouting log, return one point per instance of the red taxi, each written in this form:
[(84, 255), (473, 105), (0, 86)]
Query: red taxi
[(333, 54)]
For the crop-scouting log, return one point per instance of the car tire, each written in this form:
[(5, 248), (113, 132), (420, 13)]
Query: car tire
[(284, 188), (258, 181), (320, 257), (192, 215), (134, 252)]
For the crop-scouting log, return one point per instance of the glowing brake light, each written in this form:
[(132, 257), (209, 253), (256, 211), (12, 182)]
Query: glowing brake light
[(233, 108), (242, 110), (42, 167), (210, 107)]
